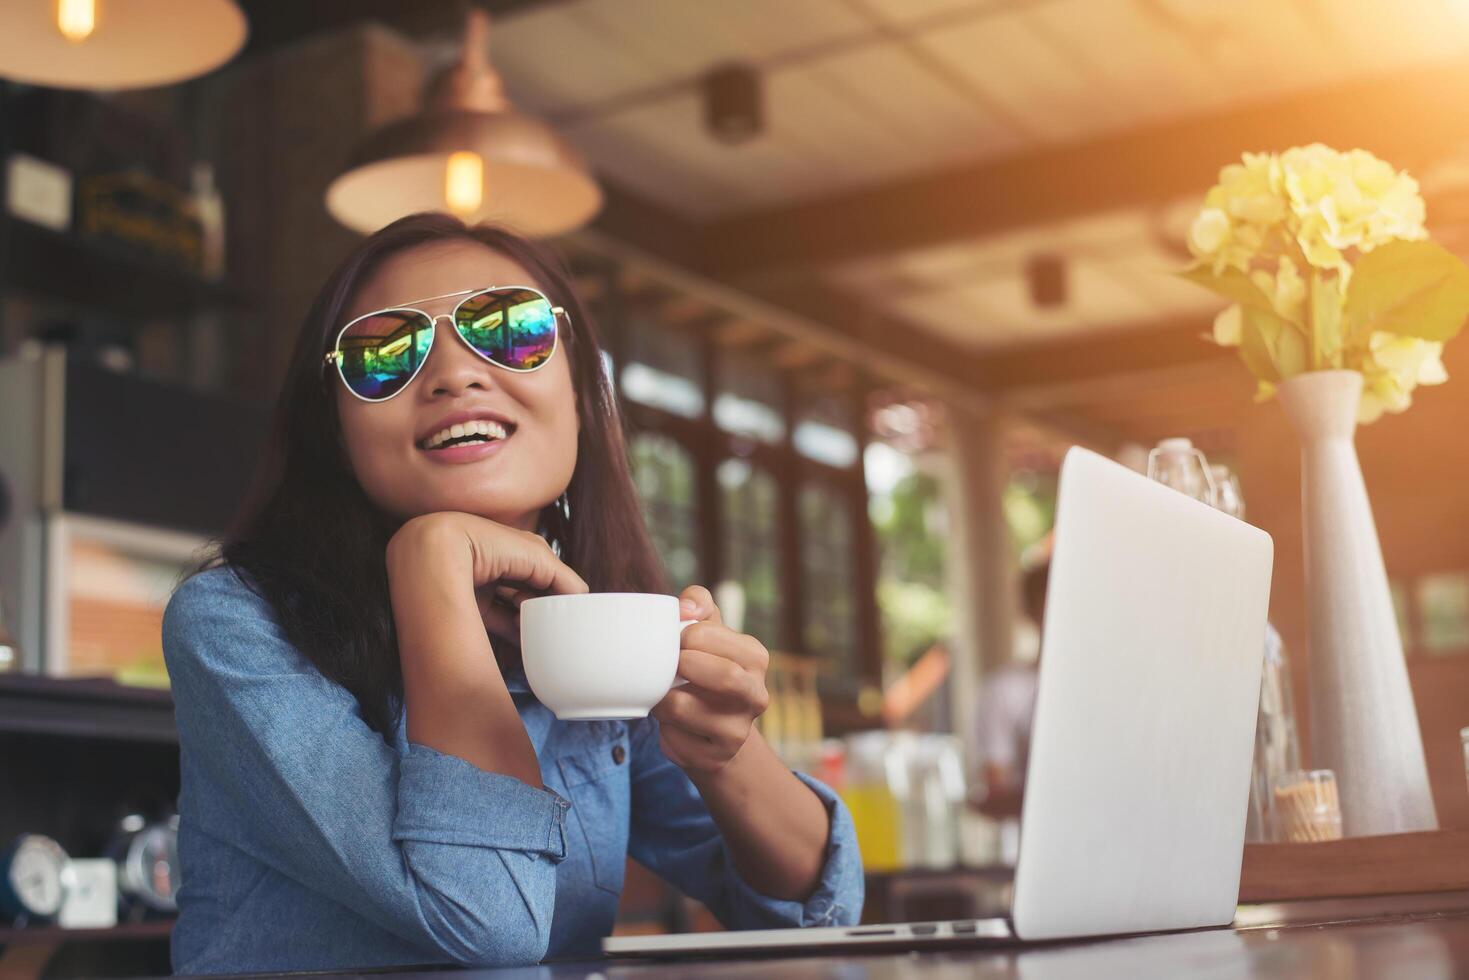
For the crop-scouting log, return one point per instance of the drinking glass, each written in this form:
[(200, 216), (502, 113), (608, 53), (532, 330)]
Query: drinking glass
[(1307, 807)]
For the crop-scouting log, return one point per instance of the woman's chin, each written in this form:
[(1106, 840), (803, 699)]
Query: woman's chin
[(525, 517)]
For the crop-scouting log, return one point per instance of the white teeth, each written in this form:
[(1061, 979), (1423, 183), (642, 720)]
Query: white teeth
[(484, 427)]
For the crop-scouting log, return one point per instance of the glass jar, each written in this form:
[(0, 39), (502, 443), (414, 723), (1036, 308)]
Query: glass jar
[(1277, 746), (939, 791), (1178, 464), (877, 793), (1227, 494)]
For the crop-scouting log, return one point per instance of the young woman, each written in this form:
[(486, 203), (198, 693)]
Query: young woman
[(367, 779)]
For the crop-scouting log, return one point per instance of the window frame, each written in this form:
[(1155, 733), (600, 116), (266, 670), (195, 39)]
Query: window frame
[(709, 446)]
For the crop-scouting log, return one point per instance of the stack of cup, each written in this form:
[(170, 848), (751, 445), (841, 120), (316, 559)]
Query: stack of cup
[(1307, 808)]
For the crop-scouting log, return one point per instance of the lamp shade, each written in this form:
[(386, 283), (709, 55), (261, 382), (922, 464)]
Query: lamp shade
[(469, 151), (122, 43), (534, 181)]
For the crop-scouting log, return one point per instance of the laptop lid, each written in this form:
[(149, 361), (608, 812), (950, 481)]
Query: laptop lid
[(1138, 781)]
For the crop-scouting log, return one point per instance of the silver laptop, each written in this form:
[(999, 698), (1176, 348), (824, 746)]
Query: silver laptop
[(1138, 780)]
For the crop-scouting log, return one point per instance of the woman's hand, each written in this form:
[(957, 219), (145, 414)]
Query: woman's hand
[(775, 827), (456, 701), (706, 723), (501, 564)]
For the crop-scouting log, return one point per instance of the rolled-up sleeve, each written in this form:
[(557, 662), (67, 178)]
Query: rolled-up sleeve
[(456, 860), (674, 836), (445, 800)]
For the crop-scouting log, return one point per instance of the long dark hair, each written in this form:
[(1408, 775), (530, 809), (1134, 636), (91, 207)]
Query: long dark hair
[(313, 544)]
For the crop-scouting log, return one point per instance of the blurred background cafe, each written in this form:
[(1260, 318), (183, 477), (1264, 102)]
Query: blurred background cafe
[(865, 270)]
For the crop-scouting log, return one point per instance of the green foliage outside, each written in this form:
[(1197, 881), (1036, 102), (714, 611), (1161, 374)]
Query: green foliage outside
[(911, 528)]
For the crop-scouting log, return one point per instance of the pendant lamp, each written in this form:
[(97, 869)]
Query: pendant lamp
[(468, 152), (116, 44)]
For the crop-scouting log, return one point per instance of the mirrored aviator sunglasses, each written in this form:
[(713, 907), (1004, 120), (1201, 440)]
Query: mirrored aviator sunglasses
[(512, 327)]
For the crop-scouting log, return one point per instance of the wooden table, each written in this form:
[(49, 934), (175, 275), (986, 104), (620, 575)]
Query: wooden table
[(1421, 936)]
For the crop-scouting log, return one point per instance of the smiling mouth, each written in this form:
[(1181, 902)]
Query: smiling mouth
[(473, 433)]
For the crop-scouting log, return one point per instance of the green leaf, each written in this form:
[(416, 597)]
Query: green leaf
[(1272, 347), (1258, 333), (1326, 317), (1231, 284), (1415, 289), (1292, 352)]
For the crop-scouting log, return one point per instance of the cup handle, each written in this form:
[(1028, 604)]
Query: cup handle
[(683, 625)]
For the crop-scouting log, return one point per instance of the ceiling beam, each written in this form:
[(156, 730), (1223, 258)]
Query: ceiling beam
[(652, 229), (1399, 117), (1032, 377), (1043, 373), (1071, 427)]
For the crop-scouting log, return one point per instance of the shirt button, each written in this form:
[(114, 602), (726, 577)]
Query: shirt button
[(618, 754)]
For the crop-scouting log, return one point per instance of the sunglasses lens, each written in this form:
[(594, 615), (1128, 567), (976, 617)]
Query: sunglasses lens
[(381, 353), (515, 328)]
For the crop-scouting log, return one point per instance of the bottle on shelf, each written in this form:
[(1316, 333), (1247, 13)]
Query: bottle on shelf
[(831, 765), (813, 731), (209, 206), (771, 723)]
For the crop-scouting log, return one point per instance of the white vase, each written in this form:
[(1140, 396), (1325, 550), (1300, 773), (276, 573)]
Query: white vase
[(1363, 722)]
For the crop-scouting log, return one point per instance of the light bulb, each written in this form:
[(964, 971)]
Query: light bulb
[(76, 19), (464, 182)]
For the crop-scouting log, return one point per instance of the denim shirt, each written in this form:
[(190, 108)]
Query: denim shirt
[(307, 842)]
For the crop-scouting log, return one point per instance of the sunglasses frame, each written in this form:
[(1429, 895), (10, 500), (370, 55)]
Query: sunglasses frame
[(334, 356)]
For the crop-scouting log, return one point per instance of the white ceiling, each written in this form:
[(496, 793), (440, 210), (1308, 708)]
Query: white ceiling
[(860, 91), (976, 292), (863, 92)]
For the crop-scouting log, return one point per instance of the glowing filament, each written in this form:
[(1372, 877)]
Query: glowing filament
[(76, 19), (464, 182)]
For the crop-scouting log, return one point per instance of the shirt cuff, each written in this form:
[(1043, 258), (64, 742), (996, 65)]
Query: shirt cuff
[(837, 900), (443, 799)]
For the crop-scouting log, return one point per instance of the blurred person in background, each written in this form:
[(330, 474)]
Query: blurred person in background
[(1007, 708)]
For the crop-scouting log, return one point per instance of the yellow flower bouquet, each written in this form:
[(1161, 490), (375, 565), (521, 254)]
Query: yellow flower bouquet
[(1326, 260)]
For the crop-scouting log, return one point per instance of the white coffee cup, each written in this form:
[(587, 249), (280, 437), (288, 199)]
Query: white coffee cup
[(600, 656)]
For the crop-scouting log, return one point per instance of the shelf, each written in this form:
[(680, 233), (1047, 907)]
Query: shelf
[(99, 274), (55, 935), (988, 872), (85, 707), (1389, 864)]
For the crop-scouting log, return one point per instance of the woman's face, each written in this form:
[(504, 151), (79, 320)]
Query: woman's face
[(508, 480)]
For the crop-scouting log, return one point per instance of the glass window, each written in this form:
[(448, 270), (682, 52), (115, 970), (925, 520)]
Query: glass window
[(664, 473), (750, 536), (826, 430), (1443, 612), (750, 399), (828, 579), (907, 509), (663, 368), (1029, 505)]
